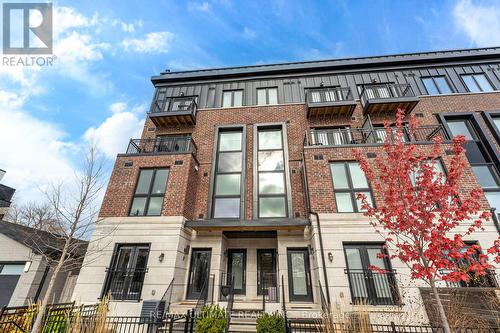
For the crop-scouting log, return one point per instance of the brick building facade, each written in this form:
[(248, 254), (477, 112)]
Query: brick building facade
[(247, 175)]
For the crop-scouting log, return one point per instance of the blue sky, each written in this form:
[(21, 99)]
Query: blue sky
[(99, 87)]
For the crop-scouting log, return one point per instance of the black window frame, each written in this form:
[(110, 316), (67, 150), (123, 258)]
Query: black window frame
[(149, 195), (271, 128), (371, 298), (473, 75), (351, 189), (129, 275), (266, 89), (232, 91), (214, 196), (433, 78)]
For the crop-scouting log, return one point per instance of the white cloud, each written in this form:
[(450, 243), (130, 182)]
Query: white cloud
[(480, 21), (200, 6), (113, 134), (153, 42), (249, 33)]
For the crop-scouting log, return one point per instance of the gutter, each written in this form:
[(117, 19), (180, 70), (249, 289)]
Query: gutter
[(318, 224)]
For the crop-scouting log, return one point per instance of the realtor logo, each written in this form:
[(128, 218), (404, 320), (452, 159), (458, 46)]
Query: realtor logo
[(27, 28)]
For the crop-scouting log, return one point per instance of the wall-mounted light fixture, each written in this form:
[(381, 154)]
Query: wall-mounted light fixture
[(311, 249), (161, 257), (330, 256), (186, 252)]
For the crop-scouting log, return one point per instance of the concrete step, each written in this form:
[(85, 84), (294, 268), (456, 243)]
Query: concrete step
[(242, 328)]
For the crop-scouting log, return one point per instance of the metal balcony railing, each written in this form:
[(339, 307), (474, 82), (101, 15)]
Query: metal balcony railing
[(373, 287), (167, 144), (125, 284), (383, 91), (355, 136), (175, 104), (328, 95)]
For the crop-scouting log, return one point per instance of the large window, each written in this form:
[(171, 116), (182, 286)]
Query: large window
[(436, 85), (266, 96), (232, 98), (348, 180), (369, 286), (228, 174), (477, 82), (479, 159), (438, 168), (271, 173), (126, 273), (149, 192)]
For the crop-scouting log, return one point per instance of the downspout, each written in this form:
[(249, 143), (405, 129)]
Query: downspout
[(318, 223)]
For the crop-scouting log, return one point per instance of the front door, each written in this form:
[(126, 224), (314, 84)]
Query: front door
[(266, 271), (198, 272), (236, 268), (299, 275)]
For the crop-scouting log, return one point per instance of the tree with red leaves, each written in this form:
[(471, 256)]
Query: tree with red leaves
[(425, 216)]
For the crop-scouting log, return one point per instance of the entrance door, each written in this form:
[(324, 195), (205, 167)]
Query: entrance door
[(198, 272), (236, 268), (266, 271), (299, 275)]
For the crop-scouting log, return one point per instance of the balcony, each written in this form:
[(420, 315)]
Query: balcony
[(174, 111), (329, 102), (371, 136), (162, 145), (386, 98), (373, 287)]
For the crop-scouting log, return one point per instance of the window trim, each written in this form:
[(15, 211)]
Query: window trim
[(473, 75), (488, 118), (288, 186), (232, 91), (114, 258), (213, 172), (266, 89), (149, 195), (351, 189), (433, 78)]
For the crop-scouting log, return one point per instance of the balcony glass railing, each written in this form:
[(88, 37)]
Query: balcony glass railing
[(383, 91), (328, 95)]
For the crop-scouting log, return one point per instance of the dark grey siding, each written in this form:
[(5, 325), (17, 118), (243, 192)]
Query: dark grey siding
[(291, 89)]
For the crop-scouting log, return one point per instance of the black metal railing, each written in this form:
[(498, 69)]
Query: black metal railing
[(356, 136), (230, 302), (167, 296), (324, 303), (489, 280), (175, 104), (125, 284), (385, 91), (328, 95), (205, 293), (283, 306), (373, 287), (167, 144)]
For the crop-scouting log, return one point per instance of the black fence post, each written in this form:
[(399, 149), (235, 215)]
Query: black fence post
[(193, 315), (393, 327)]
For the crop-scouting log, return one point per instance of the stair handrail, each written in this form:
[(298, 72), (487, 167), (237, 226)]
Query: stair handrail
[(202, 299), (283, 305), (167, 297), (230, 301)]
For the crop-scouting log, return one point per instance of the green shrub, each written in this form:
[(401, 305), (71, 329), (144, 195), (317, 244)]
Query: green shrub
[(212, 319), (271, 323)]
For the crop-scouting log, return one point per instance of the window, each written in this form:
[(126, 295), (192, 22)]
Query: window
[(267, 96), (11, 269), (436, 85), (149, 192), (228, 174), (480, 161), (271, 176), (126, 273), (348, 180), (231, 98), (368, 286), (496, 121), (437, 167), (477, 82)]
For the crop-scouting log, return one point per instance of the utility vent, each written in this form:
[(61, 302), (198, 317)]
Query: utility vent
[(371, 155), (318, 157), (353, 118), (128, 164), (179, 162), (205, 174), (419, 115), (449, 152), (200, 216), (294, 171), (297, 214), (151, 129), (152, 309)]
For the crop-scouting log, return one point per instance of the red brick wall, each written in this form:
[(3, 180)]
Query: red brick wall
[(188, 190)]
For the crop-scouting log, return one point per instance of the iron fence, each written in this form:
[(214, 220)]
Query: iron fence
[(165, 144), (125, 284), (373, 287)]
